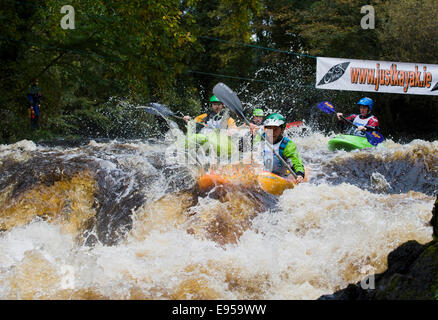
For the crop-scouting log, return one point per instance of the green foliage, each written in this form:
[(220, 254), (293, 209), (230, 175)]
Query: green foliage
[(332, 28), (142, 51), (409, 30), (132, 48), (229, 20)]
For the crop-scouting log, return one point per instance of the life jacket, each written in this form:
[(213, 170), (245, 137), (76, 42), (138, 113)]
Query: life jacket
[(358, 121), (272, 162), (213, 121)]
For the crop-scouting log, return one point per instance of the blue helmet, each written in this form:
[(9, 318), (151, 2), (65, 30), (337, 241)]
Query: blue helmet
[(366, 102)]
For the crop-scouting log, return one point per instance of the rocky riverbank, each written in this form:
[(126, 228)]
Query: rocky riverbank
[(412, 274)]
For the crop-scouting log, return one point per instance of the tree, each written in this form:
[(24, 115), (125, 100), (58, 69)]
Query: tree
[(409, 31), (221, 27), (332, 28), (132, 48)]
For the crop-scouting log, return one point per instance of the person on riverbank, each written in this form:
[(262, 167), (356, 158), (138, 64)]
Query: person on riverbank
[(364, 120), (34, 96), (274, 127), (216, 118)]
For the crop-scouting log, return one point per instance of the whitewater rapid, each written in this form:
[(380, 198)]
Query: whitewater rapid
[(111, 220)]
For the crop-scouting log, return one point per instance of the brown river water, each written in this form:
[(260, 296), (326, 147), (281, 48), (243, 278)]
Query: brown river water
[(113, 220)]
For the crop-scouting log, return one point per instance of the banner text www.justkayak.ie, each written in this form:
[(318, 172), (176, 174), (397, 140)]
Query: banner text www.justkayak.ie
[(391, 77)]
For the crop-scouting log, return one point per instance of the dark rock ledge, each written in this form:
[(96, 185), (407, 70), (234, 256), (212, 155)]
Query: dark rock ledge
[(412, 273)]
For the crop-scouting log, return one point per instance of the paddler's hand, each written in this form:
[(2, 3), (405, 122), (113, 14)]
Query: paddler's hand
[(339, 115), (186, 118), (300, 179), (361, 128), (253, 128)]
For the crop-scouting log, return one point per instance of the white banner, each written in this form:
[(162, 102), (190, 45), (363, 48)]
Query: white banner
[(376, 76)]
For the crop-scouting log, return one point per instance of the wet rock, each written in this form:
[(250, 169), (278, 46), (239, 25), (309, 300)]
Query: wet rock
[(410, 173), (352, 292), (402, 258), (434, 221), (379, 183), (116, 199), (399, 263), (420, 281), (117, 194), (412, 274)]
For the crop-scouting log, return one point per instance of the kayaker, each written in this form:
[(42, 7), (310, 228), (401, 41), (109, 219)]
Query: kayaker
[(364, 121), (274, 127), (256, 124), (255, 129), (216, 117)]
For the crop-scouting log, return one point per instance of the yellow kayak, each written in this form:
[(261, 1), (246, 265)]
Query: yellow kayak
[(268, 181)]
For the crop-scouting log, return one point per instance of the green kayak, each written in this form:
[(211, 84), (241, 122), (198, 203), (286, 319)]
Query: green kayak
[(213, 141), (348, 142)]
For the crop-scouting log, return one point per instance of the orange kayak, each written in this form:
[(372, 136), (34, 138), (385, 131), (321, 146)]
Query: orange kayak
[(268, 181)]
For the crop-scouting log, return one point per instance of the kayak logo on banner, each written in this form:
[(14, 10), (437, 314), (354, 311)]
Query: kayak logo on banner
[(334, 73)]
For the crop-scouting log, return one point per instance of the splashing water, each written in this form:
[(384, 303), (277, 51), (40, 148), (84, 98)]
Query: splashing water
[(114, 220)]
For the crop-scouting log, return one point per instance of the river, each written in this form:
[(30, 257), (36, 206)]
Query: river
[(113, 220)]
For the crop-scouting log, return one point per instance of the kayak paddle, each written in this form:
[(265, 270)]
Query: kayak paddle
[(230, 99), (158, 109), (373, 137)]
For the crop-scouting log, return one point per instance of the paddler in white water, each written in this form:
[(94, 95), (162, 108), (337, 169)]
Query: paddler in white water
[(256, 124), (364, 121), (216, 118), (274, 127)]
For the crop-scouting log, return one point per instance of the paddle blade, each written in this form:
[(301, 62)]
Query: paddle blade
[(326, 107), (161, 109), (374, 137), (152, 111), (229, 98)]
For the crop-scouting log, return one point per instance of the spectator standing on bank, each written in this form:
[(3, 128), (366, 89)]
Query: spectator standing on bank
[(34, 96)]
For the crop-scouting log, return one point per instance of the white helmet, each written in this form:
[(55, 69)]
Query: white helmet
[(275, 120)]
